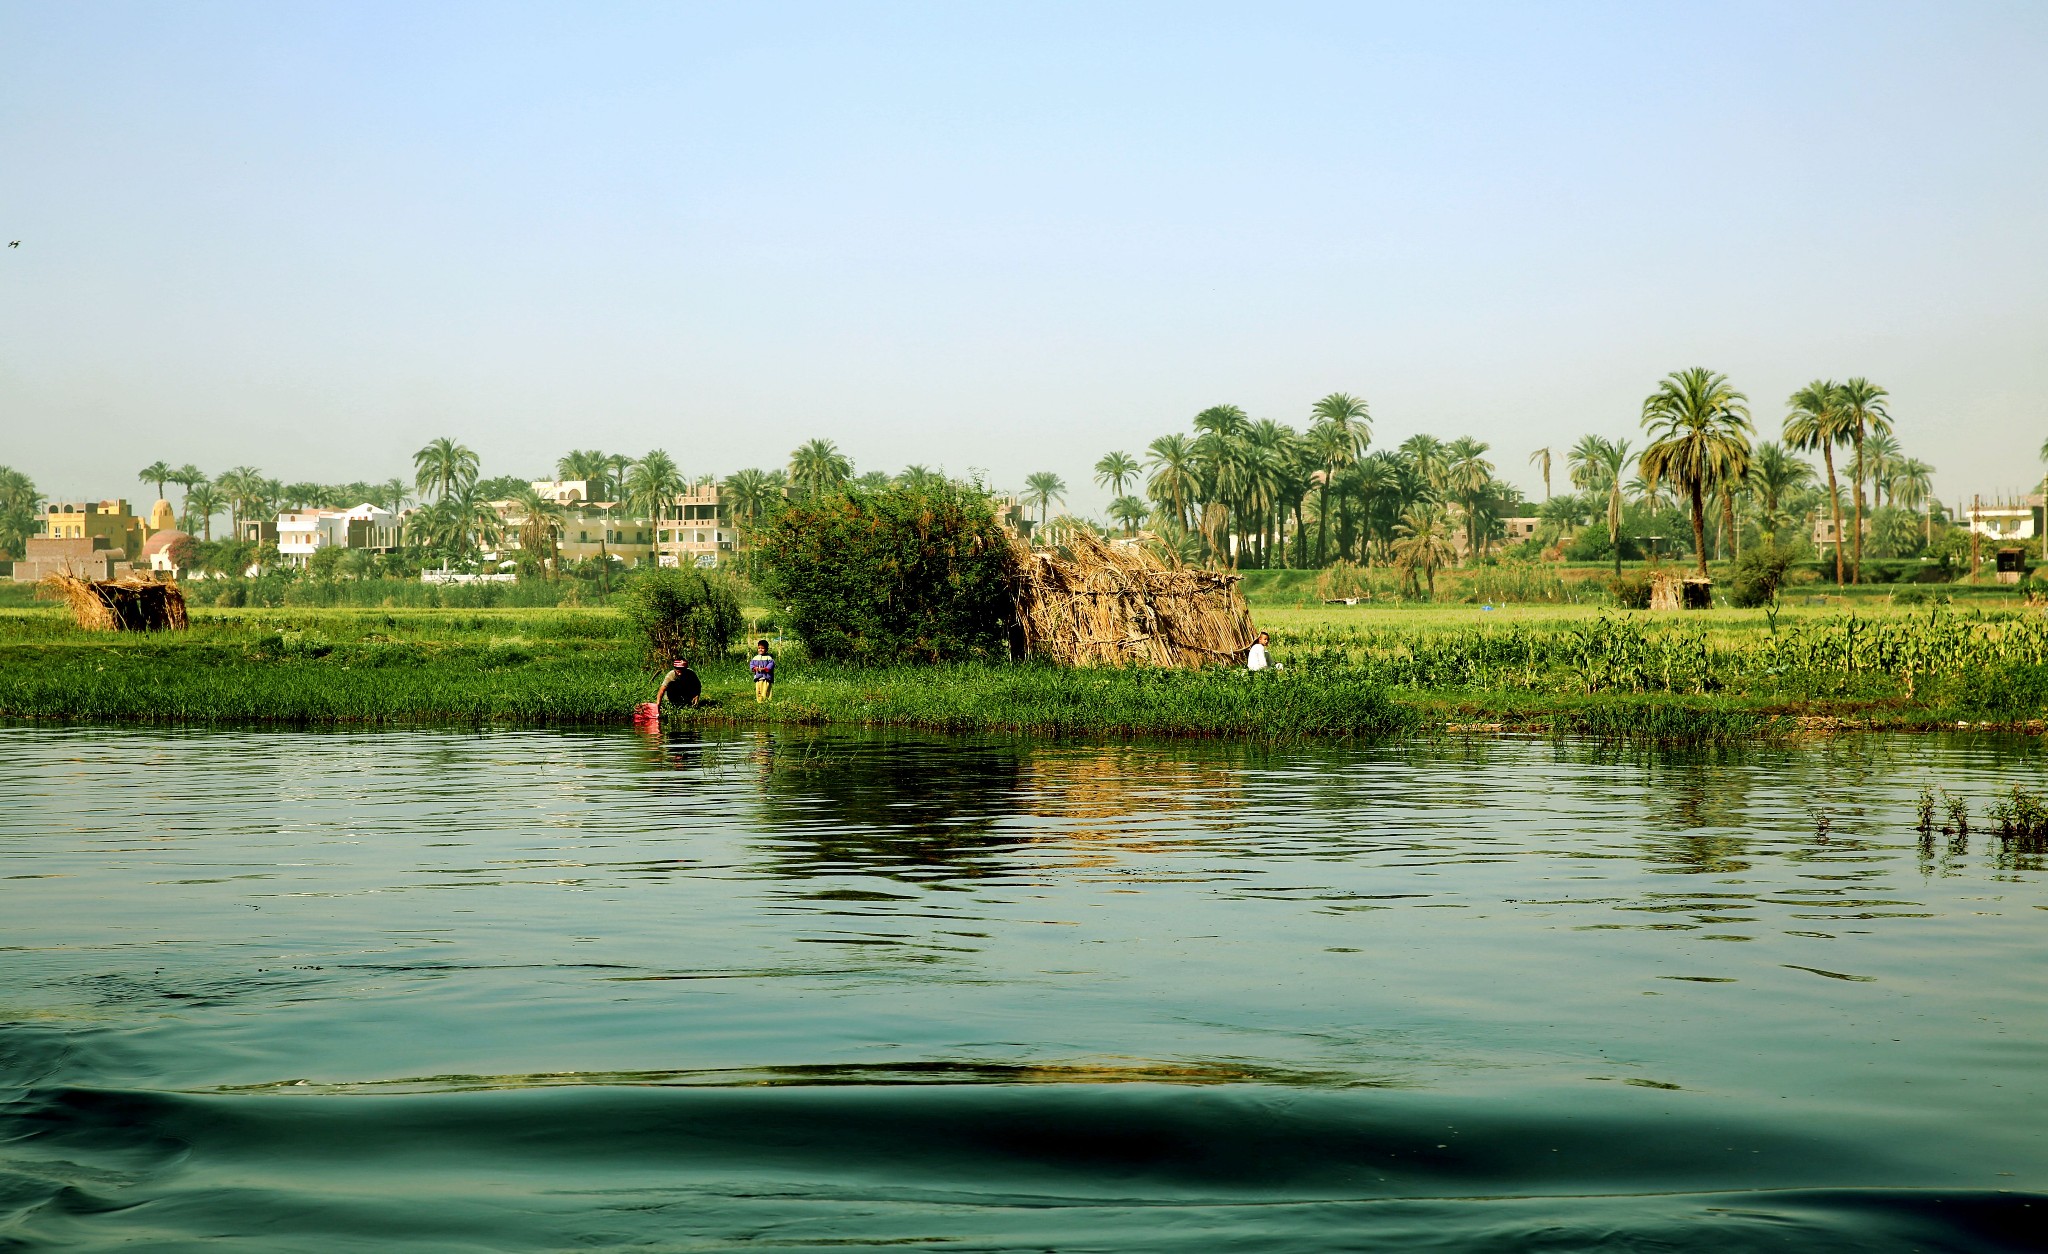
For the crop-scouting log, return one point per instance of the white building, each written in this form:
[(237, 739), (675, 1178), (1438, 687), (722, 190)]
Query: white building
[(2005, 522), (562, 491), (302, 533)]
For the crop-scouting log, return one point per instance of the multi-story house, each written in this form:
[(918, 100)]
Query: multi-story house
[(599, 532), (693, 530), (302, 533), (2007, 522), (109, 520)]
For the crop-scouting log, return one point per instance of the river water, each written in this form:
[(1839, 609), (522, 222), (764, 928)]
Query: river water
[(790, 990)]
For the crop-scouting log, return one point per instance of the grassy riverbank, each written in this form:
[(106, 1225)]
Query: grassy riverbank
[(1349, 672)]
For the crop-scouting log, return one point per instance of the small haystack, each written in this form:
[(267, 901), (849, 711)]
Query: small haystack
[(1097, 604), (130, 604)]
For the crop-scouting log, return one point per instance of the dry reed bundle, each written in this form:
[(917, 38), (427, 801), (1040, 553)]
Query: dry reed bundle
[(1096, 604), (131, 604)]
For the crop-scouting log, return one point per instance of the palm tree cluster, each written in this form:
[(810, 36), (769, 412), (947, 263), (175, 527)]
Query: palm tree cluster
[(1243, 492), (19, 505), (1703, 470)]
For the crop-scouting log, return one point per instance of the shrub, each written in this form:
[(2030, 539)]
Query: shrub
[(683, 612), (2015, 689), (1758, 572), (1631, 591), (896, 574)]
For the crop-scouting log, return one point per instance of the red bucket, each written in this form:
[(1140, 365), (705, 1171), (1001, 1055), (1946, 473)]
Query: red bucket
[(647, 712)]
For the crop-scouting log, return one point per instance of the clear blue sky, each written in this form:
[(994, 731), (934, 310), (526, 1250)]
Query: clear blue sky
[(309, 237)]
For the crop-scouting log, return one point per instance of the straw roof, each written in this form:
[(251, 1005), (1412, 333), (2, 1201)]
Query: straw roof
[(1091, 603), (130, 604)]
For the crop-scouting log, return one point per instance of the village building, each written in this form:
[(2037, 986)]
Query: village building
[(2003, 521), (302, 533), (86, 557), (562, 491), (108, 520), (694, 530), (97, 540), (157, 556), (591, 534), (1824, 529)]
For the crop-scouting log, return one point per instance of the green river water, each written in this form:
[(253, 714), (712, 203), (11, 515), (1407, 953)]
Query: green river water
[(801, 990)]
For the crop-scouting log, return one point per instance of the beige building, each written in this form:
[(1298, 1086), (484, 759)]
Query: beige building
[(1824, 529), (102, 520), (562, 491), (588, 534), (694, 530), (87, 557)]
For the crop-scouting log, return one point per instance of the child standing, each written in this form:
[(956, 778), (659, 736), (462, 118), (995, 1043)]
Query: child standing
[(763, 666)]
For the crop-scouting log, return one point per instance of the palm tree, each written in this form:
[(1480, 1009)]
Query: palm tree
[(1226, 421), (1863, 413), (1423, 544), (1467, 479), (1774, 472), (202, 502), (1815, 423), (1597, 464), (243, 487), (303, 495), (818, 467), (1115, 470), (19, 504), (158, 473), (652, 485), (1699, 429), (591, 466), (1912, 485), (615, 475), (751, 493), (1174, 482), (541, 522), (921, 477), (1043, 489), (442, 467), (187, 477), (1541, 457), (1884, 455), (1130, 511), (1340, 430)]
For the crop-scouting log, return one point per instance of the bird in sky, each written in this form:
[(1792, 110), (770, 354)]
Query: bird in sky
[(14, 243)]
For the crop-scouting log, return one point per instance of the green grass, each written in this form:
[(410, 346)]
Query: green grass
[(1348, 672)]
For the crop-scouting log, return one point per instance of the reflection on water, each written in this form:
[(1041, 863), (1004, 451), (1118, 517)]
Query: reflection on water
[(768, 990)]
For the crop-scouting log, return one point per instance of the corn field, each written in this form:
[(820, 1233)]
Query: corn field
[(1623, 654)]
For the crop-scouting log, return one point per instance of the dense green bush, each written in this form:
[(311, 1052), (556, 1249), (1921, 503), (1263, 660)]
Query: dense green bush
[(898, 574), (683, 612), (2013, 690), (1758, 572), (1631, 591)]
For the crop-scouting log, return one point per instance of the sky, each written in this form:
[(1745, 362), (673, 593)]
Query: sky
[(310, 237)]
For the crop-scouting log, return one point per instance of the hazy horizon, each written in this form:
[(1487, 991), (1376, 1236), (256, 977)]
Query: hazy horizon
[(311, 239)]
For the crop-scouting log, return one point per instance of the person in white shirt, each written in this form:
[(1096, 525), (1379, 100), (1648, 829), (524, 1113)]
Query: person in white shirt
[(1256, 659)]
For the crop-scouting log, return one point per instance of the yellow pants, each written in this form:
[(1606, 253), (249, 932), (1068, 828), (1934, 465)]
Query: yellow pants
[(761, 687)]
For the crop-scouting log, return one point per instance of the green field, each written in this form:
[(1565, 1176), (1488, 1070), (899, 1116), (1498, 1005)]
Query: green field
[(1344, 671)]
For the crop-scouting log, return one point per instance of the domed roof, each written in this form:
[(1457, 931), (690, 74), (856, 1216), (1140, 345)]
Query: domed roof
[(161, 516), (161, 541)]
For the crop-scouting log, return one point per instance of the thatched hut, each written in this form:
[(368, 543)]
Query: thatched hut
[(130, 604), (1673, 592), (1092, 603)]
